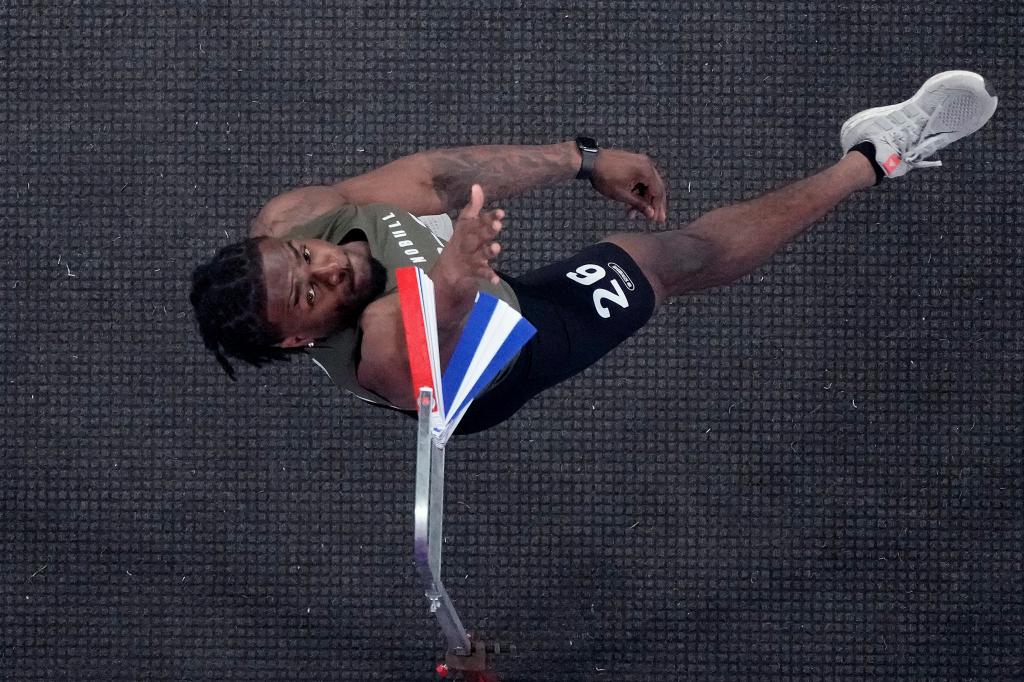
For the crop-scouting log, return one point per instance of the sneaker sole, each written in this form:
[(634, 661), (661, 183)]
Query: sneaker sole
[(962, 79)]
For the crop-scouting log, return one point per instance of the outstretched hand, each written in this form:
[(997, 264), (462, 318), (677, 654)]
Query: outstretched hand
[(467, 257), (633, 180)]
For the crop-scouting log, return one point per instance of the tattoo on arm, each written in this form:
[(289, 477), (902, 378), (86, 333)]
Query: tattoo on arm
[(502, 171)]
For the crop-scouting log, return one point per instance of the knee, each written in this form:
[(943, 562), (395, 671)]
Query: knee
[(673, 262), (643, 249)]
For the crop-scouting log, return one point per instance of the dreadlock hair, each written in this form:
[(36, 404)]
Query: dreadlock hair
[(229, 296)]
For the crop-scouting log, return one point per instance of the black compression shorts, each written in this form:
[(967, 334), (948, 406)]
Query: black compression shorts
[(582, 307)]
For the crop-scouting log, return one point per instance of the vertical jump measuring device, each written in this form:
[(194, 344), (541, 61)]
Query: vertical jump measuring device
[(491, 338)]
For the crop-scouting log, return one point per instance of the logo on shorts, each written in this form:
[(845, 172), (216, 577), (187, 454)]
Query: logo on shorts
[(623, 276)]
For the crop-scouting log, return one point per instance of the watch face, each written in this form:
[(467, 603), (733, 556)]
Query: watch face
[(587, 144)]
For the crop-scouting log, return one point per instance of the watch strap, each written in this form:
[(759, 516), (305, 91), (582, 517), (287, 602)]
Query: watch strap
[(588, 152)]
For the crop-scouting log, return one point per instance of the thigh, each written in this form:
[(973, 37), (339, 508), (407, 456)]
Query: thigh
[(672, 261), (582, 307), (646, 250), (592, 302)]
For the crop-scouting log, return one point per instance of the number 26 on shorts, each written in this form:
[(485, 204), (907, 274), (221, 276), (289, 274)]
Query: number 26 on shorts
[(590, 274)]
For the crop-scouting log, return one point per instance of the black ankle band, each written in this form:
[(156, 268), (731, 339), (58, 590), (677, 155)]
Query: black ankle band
[(868, 150)]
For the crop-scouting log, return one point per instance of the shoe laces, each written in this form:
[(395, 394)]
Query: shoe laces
[(918, 145)]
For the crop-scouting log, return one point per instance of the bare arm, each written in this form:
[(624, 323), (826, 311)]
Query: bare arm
[(505, 171), (502, 171), (384, 363), (438, 181)]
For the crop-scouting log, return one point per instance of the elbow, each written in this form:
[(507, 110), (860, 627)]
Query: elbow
[(447, 179)]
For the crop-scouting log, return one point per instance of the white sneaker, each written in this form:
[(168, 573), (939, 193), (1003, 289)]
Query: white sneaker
[(950, 105)]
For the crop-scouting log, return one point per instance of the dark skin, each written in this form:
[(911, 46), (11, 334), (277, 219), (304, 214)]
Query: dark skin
[(312, 284), (315, 288), (438, 181), (717, 248)]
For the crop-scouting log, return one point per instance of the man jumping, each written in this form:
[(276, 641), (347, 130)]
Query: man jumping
[(317, 273)]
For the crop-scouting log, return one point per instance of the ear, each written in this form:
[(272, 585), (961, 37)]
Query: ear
[(295, 342)]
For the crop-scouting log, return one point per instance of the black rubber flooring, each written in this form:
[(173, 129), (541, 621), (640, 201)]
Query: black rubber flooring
[(814, 473)]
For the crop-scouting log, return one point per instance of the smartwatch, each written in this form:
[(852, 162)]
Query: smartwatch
[(588, 150)]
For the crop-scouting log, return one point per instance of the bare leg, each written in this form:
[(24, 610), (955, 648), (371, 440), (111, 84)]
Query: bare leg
[(730, 242)]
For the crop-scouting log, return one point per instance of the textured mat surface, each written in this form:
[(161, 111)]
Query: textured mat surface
[(816, 472)]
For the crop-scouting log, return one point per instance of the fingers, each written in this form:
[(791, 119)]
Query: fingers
[(480, 261), (496, 224), (634, 180), (637, 202), (490, 225), (491, 248), (474, 237), (491, 253), (658, 196), (646, 201), (652, 195), (476, 202)]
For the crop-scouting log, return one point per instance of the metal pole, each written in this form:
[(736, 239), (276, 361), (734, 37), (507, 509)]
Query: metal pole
[(427, 522)]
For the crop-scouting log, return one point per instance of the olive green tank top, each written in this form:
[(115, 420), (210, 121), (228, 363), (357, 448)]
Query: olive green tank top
[(397, 239)]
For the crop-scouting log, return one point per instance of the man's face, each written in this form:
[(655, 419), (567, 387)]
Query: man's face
[(315, 287)]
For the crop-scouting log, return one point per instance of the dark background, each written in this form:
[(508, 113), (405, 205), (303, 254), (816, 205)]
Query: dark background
[(816, 472)]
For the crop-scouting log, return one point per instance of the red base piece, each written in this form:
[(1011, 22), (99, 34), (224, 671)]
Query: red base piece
[(473, 667)]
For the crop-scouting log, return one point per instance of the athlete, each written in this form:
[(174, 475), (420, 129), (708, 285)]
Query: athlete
[(317, 273)]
